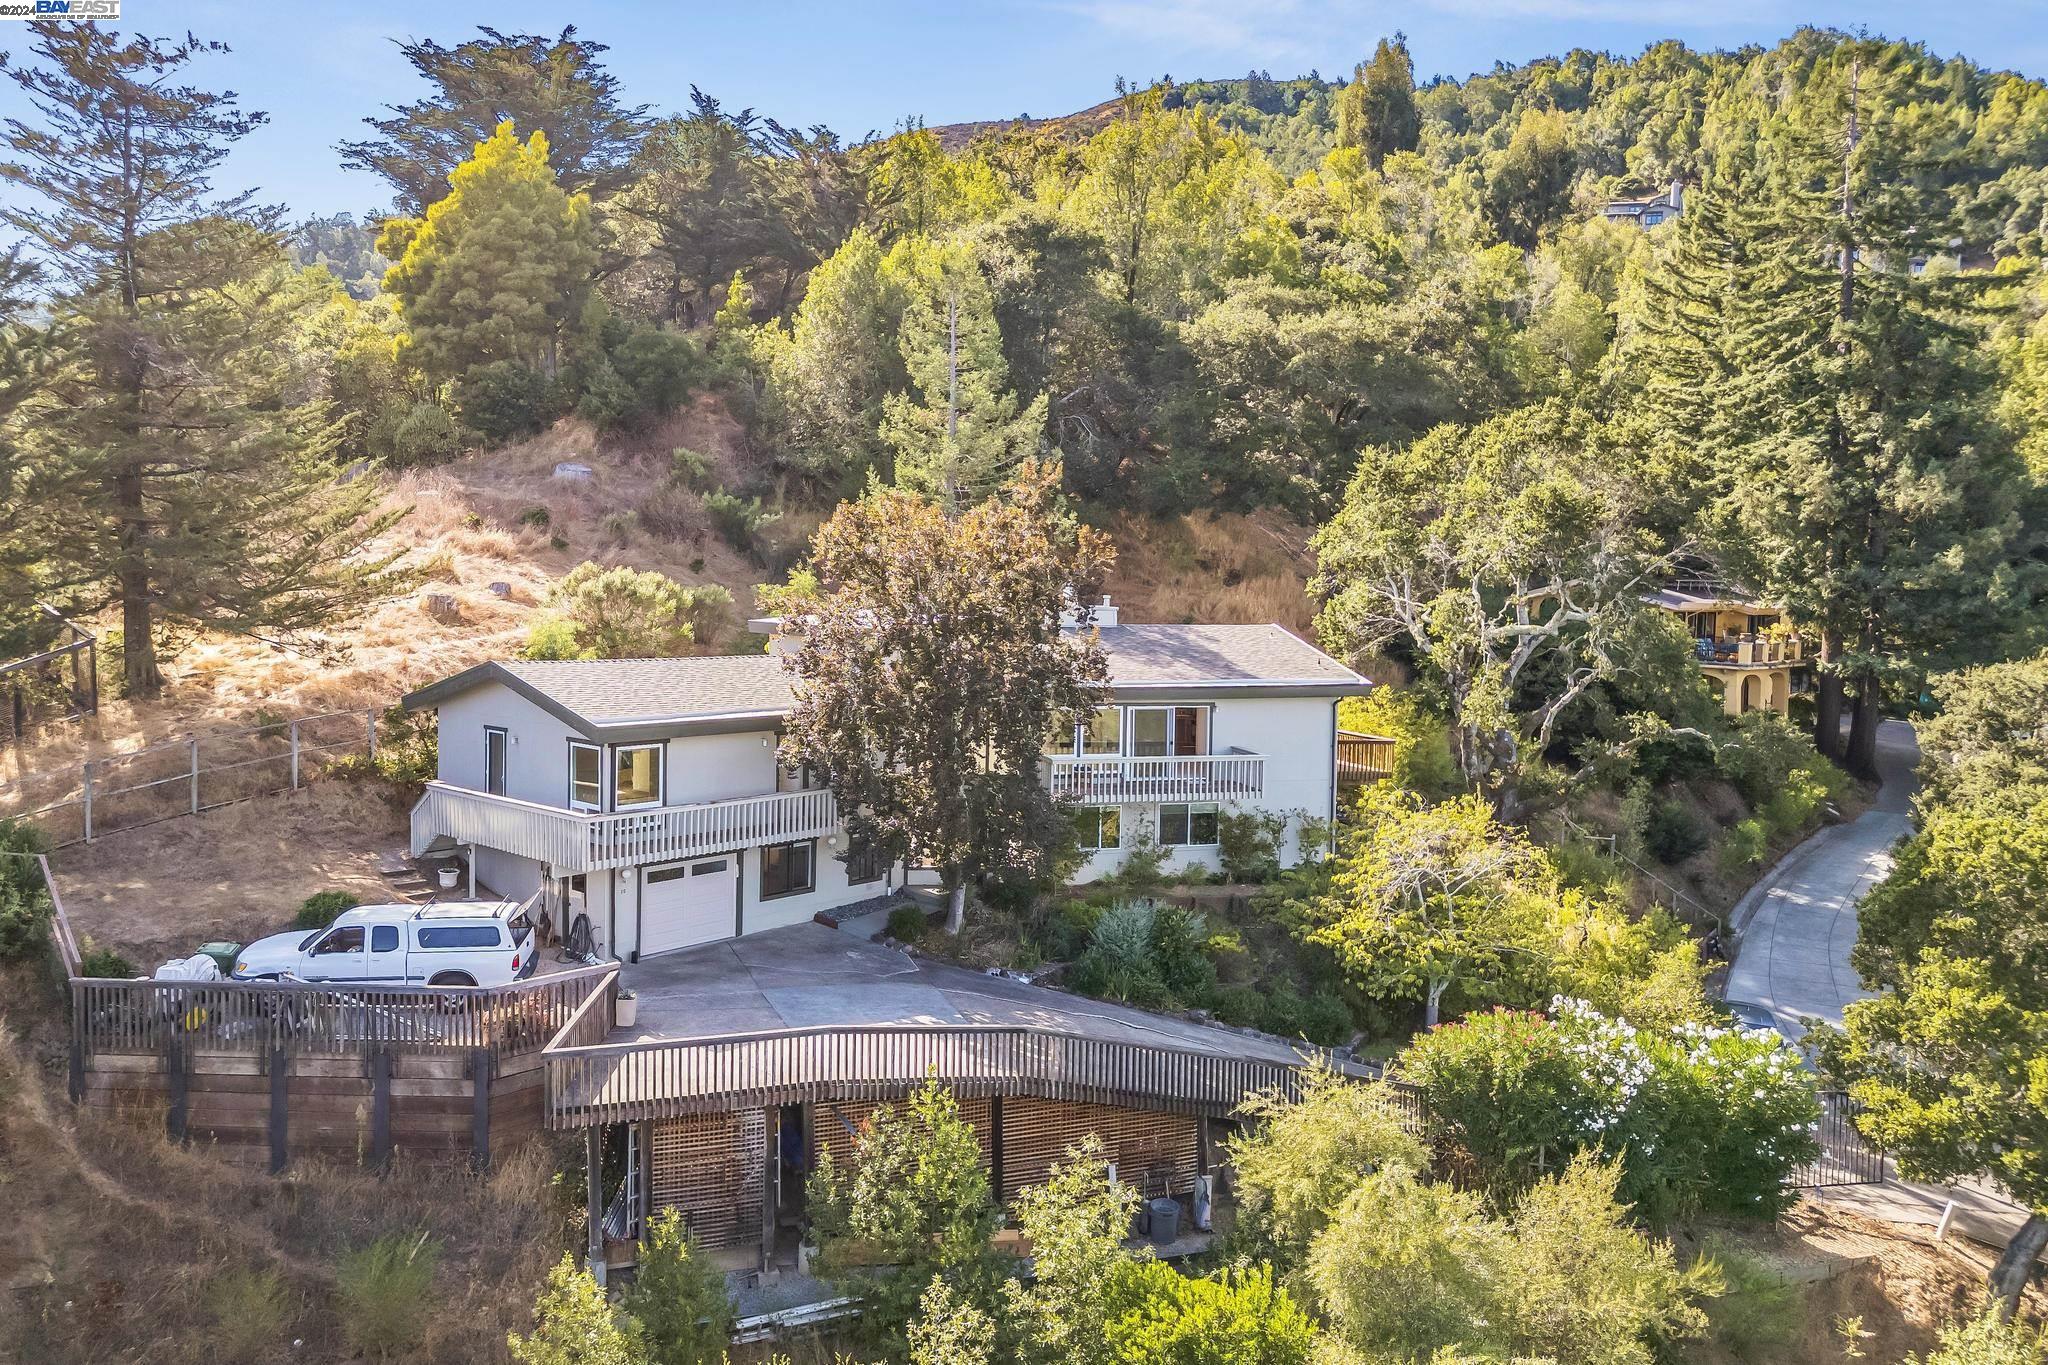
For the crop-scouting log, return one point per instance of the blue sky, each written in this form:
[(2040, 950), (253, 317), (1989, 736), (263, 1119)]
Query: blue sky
[(317, 66)]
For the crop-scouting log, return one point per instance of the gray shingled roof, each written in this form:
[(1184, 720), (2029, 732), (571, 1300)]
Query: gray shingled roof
[(625, 691), (1203, 655), (622, 697)]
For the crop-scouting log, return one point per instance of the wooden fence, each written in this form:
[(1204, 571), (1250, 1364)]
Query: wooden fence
[(298, 1067), (186, 776), (67, 672), (615, 1083)]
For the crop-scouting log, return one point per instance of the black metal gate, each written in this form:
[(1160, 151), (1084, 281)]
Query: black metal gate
[(1846, 1156)]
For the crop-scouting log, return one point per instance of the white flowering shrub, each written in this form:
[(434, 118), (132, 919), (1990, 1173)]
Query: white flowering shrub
[(1703, 1118)]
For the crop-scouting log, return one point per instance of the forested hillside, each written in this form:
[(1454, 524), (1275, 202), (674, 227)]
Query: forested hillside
[(1212, 296)]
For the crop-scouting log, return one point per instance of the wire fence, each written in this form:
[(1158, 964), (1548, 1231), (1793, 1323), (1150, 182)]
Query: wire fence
[(200, 772)]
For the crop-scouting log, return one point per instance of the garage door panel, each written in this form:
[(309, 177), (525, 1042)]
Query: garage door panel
[(682, 904)]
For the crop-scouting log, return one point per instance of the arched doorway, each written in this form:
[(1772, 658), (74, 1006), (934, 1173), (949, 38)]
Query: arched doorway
[(1748, 694)]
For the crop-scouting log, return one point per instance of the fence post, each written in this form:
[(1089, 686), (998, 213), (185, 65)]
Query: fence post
[(194, 742), (174, 1066), (480, 1109), (280, 1109), (77, 1077), (295, 755), (380, 1109), (88, 800)]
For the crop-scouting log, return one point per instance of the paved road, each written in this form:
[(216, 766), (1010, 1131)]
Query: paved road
[(1796, 928), (1797, 925)]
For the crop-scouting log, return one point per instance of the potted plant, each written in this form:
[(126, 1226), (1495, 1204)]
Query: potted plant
[(625, 1007), (449, 875)]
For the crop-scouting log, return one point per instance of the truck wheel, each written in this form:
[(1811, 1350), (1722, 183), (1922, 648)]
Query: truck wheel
[(451, 979)]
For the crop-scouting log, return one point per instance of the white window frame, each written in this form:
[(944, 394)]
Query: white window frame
[(1209, 808), (619, 751), (577, 746), (1206, 727), (1114, 812)]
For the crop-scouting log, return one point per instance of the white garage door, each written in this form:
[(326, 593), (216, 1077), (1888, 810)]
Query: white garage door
[(686, 903)]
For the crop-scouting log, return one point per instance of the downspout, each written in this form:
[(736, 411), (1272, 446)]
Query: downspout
[(1330, 839)]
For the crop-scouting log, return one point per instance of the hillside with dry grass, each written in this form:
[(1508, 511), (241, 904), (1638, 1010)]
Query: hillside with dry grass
[(488, 534)]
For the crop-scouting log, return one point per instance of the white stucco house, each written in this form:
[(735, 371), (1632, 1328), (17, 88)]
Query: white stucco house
[(646, 793)]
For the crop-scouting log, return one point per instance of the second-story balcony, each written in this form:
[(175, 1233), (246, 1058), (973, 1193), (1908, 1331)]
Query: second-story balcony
[(1115, 780), (572, 841), (1751, 651)]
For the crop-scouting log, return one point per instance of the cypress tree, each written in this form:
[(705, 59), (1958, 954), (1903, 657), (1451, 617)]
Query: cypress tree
[(179, 467), (1376, 111)]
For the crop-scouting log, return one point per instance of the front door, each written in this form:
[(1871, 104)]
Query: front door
[(686, 903)]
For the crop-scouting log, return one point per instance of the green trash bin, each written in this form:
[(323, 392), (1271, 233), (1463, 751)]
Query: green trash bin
[(222, 953)]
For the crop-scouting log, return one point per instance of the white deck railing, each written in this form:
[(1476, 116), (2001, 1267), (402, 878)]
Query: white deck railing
[(1112, 780), (577, 841)]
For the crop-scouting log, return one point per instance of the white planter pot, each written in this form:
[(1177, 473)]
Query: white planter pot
[(625, 1009), (449, 877)]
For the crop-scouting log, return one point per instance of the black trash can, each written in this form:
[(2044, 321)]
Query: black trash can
[(1165, 1218)]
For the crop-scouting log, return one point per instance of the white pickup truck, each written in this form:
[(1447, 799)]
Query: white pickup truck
[(475, 943)]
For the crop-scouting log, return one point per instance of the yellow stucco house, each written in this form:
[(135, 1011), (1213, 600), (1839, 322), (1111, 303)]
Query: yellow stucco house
[(1749, 650)]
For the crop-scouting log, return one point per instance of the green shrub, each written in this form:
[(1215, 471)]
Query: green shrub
[(1703, 1119), (551, 639), (1244, 1006), (1119, 962), (575, 1324), (690, 468), (318, 910), (105, 962), (1159, 1316), (384, 1291), (250, 1312), (537, 517), (25, 910), (1673, 832), (1764, 749), (504, 399), (906, 924), (1179, 954), (737, 518), (1745, 846), (1248, 844), (657, 369), (415, 434), (624, 613), (678, 1296), (1760, 1313), (1321, 1017)]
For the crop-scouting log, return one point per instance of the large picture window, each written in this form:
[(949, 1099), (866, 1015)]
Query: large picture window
[(636, 776), (1103, 732), (1098, 827), (1187, 826), (586, 777), (788, 869)]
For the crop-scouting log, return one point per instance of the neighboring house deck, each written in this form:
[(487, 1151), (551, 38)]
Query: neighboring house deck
[(646, 795), (1744, 645)]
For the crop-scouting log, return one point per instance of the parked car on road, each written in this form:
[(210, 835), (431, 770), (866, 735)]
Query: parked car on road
[(474, 943)]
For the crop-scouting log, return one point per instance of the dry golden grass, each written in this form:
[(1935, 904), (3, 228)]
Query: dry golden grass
[(1212, 567), (461, 535), (116, 1237)]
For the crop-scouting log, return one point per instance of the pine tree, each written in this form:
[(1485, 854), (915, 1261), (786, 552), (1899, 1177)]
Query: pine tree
[(961, 436), (180, 468), (499, 269), (1842, 399), (1376, 112), (553, 86)]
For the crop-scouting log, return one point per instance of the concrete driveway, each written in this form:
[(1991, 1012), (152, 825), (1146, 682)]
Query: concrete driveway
[(1797, 925)]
